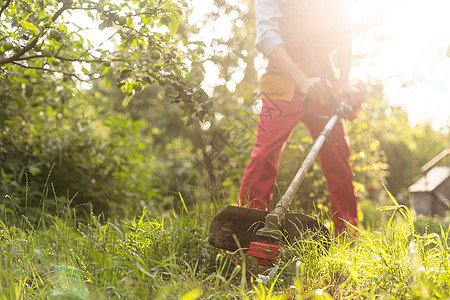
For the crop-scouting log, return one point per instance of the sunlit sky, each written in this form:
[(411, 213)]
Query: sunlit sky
[(417, 31)]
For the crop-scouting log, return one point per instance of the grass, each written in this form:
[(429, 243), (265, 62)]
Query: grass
[(170, 258)]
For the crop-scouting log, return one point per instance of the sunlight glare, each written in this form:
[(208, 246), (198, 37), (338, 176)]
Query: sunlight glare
[(415, 30)]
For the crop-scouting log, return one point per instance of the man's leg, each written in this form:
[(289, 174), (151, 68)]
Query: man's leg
[(275, 124)]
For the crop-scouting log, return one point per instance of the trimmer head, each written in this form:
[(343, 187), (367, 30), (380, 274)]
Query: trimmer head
[(264, 251), (241, 224)]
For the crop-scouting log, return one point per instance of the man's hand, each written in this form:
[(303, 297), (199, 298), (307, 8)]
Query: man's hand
[(312, 88), (354, 95), (349, 92)]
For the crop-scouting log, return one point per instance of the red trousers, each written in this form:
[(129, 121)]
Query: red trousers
[(275, 124)]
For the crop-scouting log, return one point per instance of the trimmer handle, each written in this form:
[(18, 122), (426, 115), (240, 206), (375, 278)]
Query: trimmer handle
[(341, 108), (306, 102)]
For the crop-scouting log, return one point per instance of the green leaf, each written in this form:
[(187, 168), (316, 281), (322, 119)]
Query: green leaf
[(127, 99), (130, 88), (192, 295), (30, 26), (31, 73), (105, 70), (138, 155), (390, 196), (199, 43)]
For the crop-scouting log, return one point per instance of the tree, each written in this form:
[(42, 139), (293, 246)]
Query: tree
[(55, 140), (47, 37)]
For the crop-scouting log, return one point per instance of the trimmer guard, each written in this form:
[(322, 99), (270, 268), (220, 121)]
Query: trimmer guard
[(244, 222)]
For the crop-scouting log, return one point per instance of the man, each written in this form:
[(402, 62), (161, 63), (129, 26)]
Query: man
[(287, 31)]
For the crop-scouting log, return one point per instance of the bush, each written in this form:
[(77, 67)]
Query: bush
[(56, 147)]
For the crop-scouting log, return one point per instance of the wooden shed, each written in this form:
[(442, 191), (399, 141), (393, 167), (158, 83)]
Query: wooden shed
[(431, 193)]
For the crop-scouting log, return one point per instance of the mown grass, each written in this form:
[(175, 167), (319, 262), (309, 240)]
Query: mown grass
[(170, 258)]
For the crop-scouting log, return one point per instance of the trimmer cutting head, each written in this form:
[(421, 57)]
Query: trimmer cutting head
[(241, 224), (264, 251)]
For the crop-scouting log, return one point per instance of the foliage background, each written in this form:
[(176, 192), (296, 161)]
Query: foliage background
[(115, 128)]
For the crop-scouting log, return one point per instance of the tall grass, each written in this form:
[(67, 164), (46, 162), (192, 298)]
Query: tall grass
[(169, 258), (68, 259)]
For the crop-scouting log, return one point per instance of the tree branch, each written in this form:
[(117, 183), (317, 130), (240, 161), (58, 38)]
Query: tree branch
[(33, 43), (65, 58), (50, 70), (4, 6)]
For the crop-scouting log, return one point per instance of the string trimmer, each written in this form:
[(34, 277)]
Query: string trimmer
[(262, 232)]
